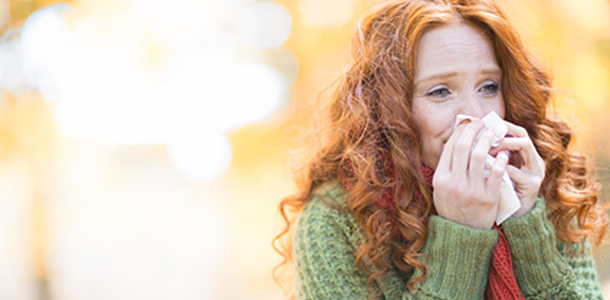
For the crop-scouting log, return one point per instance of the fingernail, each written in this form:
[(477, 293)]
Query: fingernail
[(465, 121)]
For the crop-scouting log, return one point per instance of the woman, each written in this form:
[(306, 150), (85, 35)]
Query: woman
[(399, 202)]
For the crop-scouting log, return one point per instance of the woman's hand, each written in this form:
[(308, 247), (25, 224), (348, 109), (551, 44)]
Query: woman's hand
[(526, 169), (462, 194)]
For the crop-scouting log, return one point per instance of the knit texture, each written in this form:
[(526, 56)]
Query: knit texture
[(458, 257), (502, 281), (540, 273)]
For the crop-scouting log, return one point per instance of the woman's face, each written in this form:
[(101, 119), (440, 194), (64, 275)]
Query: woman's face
[(456, 73)]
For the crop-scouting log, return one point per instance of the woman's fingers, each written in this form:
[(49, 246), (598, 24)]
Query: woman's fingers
[(463, 156), (528, 171), (514, 130), (527, 186), (446, 159), (530, 159), (517, 176), (460, 188), (478, 158), (519, 140), (463, 146), (497, 171), (523, 146)]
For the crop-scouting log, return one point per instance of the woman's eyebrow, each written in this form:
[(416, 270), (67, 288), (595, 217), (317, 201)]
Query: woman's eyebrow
[(448, 75), (442, 75), (492, 71)]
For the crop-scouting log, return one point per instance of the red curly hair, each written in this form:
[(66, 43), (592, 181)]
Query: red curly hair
[(370, 120)]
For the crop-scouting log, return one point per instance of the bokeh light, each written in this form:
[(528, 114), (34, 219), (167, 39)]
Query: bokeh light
[(327, 13), (201, 156), (264, 25), (165, 69), (145, 144)]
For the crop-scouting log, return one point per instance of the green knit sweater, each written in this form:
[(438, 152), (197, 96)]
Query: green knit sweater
[(458, 257)]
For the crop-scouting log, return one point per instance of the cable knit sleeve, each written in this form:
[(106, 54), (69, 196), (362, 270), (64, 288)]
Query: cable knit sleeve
[(458, 257), (542, 268), (458, 261), (324, 252), (326, 240)]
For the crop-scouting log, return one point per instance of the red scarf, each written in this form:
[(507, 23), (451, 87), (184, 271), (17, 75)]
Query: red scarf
[(502, 283)]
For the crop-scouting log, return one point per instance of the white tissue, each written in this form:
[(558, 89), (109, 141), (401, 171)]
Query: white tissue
[(509, 202)]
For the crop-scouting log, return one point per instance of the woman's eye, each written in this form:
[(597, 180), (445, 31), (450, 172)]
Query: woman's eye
[(441, 92), (490, 89)]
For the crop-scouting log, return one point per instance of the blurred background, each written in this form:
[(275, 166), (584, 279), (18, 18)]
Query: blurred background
[(145, 144)]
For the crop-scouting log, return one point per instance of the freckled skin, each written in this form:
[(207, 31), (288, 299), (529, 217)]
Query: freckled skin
[(457, 73), (460, 50)]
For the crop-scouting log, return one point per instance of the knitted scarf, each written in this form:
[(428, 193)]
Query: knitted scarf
[(502, 283)]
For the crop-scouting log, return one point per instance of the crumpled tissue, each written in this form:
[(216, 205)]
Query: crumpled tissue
[(509, 202)]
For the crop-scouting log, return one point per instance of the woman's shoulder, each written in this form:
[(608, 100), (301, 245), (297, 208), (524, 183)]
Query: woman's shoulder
[(329, 200), (331, 194), (327, 210)]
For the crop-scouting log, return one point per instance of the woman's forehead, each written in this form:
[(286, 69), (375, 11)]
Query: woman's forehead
[(452, 49)]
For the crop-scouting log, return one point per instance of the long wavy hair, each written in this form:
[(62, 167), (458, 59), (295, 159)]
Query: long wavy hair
[(370, 127)]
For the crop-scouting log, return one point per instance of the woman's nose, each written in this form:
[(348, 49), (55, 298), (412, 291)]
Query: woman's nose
[(473, 107)]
